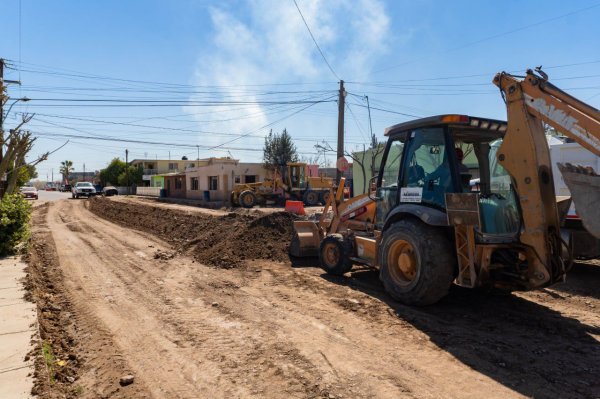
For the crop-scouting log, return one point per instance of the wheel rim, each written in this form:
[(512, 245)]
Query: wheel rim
[(403, 263), (312, 198), (247, 199), (331, 254)]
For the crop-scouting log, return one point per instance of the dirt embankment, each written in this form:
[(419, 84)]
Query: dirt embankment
[(224, 241)]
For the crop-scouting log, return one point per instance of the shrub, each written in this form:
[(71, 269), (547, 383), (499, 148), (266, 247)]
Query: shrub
[(15, 213)]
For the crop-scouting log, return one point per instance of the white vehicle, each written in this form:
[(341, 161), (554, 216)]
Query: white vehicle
[(83, 189)]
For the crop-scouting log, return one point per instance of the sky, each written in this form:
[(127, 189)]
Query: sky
[(198, 78)]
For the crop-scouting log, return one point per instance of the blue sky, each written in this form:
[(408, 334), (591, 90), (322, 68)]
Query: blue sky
[(222, 73)]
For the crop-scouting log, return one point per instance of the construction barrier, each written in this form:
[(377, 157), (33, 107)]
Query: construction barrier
[(296, 207)]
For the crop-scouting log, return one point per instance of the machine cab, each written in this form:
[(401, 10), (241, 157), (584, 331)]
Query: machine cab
[(427, 158)]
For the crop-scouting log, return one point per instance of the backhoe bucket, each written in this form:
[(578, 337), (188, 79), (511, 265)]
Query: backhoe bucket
[(584, 186), (306, 239)]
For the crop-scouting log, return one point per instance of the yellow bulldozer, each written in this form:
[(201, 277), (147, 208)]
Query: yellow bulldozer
[(295, 183), (424, 227)]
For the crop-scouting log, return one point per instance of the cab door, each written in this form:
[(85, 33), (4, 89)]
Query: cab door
[(427, 173), (387, 181)]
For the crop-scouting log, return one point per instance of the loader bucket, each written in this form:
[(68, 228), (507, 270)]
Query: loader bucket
[(306, 239), (584, 186)]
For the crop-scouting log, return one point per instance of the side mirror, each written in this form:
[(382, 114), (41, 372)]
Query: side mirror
[(373, 188)]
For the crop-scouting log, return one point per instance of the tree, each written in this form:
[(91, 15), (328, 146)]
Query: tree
[(279, 149), (136, 174), (66, 167), (26, 173), (110, 174)]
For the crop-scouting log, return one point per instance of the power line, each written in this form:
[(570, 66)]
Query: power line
[(315, 41)]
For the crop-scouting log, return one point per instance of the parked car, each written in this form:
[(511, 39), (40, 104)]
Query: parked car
[(109, 191), (65, 188), (29, 192), (83, 189)]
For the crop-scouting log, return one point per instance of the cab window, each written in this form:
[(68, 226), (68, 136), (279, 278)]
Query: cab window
[(427, 174)]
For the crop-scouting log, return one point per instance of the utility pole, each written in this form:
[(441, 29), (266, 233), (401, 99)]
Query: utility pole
[(198, 156), (127, 168), (52, 175), (84, 172), (340, 140), (370, 124)]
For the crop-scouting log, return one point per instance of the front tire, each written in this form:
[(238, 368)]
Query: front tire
[(247, 199), (334, 255), (417, 263)]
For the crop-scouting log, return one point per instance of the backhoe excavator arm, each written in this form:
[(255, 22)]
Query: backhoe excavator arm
[(524, 154)]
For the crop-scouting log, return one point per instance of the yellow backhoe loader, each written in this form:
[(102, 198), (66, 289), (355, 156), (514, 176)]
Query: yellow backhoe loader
[(426, 228), (295, 184)]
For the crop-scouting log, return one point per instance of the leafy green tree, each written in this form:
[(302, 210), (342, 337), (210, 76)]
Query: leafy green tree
[(279, 149), (26, 173), (136, 174), (110, 174)]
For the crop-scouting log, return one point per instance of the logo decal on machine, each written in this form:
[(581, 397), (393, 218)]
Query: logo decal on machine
[(411, 194)]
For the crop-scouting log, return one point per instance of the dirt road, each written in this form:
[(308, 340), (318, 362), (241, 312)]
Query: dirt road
[(128, 303)]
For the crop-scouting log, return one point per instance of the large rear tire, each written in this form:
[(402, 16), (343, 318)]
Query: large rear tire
[(334, 255), (417, 262), (311, 198), (247, 199)]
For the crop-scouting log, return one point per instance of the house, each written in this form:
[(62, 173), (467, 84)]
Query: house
[(175, 185), (154, 167), (214, 180)]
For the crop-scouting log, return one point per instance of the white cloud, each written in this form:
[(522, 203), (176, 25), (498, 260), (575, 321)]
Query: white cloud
[(267, 42)]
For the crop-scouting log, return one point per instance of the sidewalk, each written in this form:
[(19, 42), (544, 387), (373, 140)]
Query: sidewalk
[(18, 321)]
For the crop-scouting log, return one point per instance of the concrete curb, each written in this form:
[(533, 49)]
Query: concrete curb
[(18, 322)]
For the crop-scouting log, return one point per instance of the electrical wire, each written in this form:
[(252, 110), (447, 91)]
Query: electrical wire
[(315, 41)]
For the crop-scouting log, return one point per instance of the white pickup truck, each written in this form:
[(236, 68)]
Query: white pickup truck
[(83, 189)]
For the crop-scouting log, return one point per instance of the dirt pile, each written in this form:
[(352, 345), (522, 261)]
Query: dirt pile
[(224, 241)]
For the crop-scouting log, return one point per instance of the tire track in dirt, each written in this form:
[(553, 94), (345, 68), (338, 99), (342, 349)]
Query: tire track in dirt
[(269, 330)]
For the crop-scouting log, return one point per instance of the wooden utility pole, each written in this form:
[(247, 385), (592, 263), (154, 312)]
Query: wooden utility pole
[(127, 168), (340, 140)]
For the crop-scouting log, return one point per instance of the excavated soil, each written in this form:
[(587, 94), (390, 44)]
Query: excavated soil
[(115, 300), (225, 241)]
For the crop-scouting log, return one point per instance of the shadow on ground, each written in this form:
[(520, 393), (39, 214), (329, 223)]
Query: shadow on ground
[(528, 347)]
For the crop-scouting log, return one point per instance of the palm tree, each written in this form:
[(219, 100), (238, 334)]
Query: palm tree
[(66, 167)]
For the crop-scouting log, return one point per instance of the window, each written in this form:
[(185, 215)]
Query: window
[(194, 183), (213, 182), (173, 166), (238, 179), (250, 179), (388, 184), (178, 183), (427, 166)]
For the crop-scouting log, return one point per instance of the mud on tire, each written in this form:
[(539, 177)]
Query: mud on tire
[(417, 262), (334, 255)]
